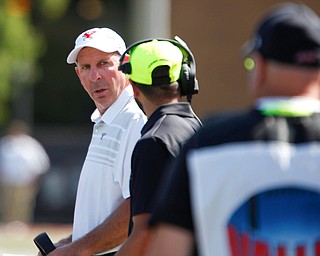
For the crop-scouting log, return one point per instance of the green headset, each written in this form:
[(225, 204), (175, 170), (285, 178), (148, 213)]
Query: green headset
[(188, 82)]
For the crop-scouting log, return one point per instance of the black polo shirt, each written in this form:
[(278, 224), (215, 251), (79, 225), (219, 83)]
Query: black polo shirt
[(162, 137)]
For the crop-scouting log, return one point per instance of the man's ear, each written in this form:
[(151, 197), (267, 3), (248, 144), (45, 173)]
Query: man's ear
[(136, 91), (260, 70), (257, 75), (77, 71)]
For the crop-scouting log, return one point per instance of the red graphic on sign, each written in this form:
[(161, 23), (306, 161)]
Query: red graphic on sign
[(242, 245)]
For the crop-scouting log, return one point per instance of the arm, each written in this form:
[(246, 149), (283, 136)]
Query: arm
[(145, 177), (138, 239), (109, 234), (62, 242), (170, 240)]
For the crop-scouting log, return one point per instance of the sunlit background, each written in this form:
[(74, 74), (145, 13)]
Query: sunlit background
[(38, 86)]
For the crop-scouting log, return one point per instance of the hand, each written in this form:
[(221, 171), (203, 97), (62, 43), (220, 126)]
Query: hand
[(61, 243), (68, 250), (62, 250)]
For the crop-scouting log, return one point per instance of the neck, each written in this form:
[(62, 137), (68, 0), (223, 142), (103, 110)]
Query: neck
[(150, 107)]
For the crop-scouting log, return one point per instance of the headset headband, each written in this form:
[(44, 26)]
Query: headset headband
[(188, 82)]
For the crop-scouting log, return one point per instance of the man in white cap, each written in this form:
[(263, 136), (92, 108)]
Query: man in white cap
[(102, 211)]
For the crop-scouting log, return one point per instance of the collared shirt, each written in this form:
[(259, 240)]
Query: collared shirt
[(167, 129), (104, 179)]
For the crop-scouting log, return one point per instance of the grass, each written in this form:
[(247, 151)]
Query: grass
[(16, 238)]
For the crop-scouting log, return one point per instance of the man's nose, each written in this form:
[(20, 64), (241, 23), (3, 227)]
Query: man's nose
[(95, 75)]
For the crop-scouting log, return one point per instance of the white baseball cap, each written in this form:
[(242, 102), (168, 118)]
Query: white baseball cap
[(103, 39)]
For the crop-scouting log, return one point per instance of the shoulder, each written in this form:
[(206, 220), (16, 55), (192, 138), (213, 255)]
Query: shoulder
[(172, 126), (133, 110), (225, 127), (131, 114)]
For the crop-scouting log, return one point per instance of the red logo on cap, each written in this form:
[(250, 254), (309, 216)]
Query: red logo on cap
[(89, 34)]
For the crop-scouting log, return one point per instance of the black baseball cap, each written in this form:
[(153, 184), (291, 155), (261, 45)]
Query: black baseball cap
[(289, 33)]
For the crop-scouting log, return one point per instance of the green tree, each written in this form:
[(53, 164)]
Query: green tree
[(20, 47)]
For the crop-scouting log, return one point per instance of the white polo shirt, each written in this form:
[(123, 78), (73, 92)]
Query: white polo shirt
[(104, 179)]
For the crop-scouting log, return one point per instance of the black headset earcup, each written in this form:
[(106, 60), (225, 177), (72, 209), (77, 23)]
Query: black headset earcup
[(185, 80), (125, 68)]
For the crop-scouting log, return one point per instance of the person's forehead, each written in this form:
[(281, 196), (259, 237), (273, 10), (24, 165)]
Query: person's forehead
[(92, 53)]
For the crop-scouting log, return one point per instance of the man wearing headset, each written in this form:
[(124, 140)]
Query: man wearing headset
[(155, 70)]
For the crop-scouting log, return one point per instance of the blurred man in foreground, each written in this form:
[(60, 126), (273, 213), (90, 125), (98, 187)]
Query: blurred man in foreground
[(249, 182)]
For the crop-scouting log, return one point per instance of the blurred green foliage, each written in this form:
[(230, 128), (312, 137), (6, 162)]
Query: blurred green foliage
[(21, 45), (53, 9)]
